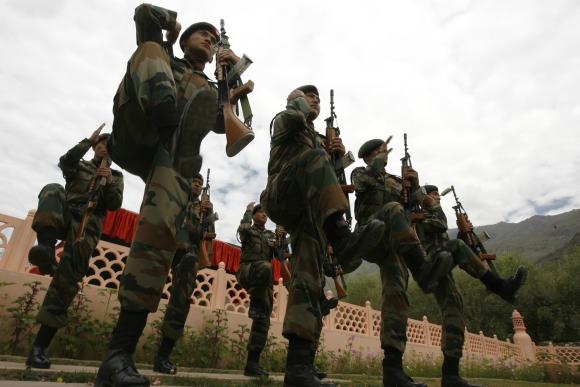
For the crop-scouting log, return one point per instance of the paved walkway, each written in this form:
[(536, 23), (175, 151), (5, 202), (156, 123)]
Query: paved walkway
[(10, 365)]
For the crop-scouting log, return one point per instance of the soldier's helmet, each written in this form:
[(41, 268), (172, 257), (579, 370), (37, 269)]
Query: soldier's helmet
[(430, 188), (201, 26), (102, 137), (256, 208), (308, 89)]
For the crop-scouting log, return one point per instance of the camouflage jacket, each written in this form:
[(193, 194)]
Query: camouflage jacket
[(374, 188), (257, 244), (191, 231), (150, 21), (292, 135), (432, 231), (79, 175)]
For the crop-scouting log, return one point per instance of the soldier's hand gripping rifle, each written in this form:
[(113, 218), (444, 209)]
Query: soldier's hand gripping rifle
[(95, 189), (466, 233), (282, 252), (334, 270), (410, 184), (339, 164), (205, 221), (238, 133)]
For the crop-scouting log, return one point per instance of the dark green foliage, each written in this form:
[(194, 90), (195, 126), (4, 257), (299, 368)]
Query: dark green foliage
[(21, 319)]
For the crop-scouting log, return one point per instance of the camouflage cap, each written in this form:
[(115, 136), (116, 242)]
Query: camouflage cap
[(308, 89), (368, 147), (198, 27), (101, 138), (256, 208), (430, 188)]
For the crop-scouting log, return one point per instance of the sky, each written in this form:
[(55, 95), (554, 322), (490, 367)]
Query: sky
[(487, 92)]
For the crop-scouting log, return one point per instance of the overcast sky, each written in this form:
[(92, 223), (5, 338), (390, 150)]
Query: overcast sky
[(486, 90)]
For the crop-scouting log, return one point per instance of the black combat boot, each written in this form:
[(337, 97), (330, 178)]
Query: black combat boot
[(393, 374), (352, 246), (118, 370), (299, 372), (450, 374), (162, 363), (42, 255), (505, 288), (253, 367), (427, 273), (37, 357)]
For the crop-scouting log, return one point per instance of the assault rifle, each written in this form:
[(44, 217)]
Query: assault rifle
[(207, 237), (410, 184), (95, 189), (338, 164), (238, 133), (466, 234), (281, 251)]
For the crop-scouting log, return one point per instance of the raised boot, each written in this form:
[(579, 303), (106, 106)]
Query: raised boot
[(37, 358), (253, 367), (43, 255), (118, 370), (349, 247), (505, 288), (393, 374), (162, 363)]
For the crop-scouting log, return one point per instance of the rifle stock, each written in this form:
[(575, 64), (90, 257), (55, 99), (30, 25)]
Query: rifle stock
[(206, 243), (94, 188)]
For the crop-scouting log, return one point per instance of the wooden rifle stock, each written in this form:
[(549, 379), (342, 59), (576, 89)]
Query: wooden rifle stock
[(340, 291), (206, 242), (94, 187)]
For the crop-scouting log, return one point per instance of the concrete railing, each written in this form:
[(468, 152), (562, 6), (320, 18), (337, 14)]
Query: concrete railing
[(217, 289)]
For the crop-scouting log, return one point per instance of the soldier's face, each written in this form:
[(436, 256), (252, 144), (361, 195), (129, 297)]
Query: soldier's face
[(314, 102), (196, 187), (260, 218), (101, 150), (200, 46), (435, 195)]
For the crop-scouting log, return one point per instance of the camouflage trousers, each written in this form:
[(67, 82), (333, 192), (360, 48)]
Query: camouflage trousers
[(154, 245), (183, 282), (399, 238), (256, 278), (54, 211), (301, 197), (465, 258), (453, 326)]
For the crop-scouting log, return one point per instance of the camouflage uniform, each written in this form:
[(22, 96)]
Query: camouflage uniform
[(378, 195), (255, 275), (62, 208), (302, 192), (184, 269), (433, 235), (154, 78)]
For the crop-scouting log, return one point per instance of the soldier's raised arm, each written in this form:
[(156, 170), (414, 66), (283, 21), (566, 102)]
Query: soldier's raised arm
[(151, 20), (69, 162), (292, 120), (246, 222)]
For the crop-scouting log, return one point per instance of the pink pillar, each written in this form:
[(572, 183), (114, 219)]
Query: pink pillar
[(521, 337)]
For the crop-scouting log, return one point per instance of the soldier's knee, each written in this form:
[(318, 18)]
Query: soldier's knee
[(52, 189)]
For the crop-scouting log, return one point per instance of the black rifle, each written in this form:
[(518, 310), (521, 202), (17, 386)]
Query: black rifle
[(466, 233)]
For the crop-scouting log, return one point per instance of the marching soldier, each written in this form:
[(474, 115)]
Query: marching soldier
[(184, 269), (379, 196), (59, 216), (255, 275), (432, 232), (304, 196), (163, 109)]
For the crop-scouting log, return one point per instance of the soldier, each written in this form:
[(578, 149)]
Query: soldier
[(163, 109), (60, 212), (184, 269), (432, 232), (255, 275), (379, 196), (304, 196)]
